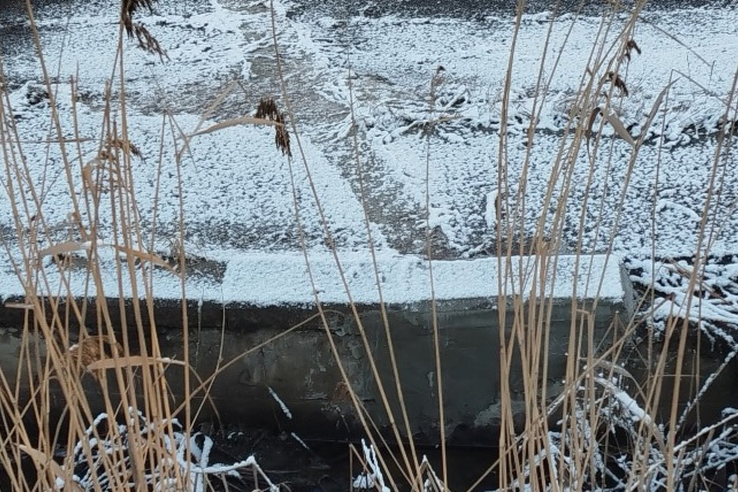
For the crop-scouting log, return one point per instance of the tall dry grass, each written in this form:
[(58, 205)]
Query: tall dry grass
[(605, 429), (77, 346)]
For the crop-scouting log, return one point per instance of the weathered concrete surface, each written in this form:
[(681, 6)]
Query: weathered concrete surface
[(302, 369), (471, 366)]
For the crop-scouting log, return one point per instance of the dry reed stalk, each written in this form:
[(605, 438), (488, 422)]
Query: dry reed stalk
[(327, 232), (436, 81), (530, 338), (140, 382), (411, 461)]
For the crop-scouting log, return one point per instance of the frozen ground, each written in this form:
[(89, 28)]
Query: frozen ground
[(237, 192)]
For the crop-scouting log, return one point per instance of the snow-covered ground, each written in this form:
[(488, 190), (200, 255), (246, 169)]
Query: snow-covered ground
[(237, 190)]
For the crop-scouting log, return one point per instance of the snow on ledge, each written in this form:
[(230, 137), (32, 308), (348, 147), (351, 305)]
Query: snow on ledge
[(273, 279), (406, 279)]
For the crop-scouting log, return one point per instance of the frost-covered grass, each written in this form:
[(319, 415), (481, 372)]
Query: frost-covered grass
[(543, 134), (711, 305), (186, 453)]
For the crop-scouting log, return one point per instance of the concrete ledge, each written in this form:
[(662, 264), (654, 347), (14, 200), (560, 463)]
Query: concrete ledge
[(278, 279), (300, 371)]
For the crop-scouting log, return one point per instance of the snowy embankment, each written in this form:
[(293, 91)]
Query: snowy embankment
[(236, 187)]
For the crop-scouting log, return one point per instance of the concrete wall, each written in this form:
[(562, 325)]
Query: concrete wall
[(301, 369)]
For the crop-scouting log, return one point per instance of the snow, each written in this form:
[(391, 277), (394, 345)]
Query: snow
[(300, 441), (263, 279), (236, 187), (371, 477), (281, 404), (632, 406), (712, 303), (191, 450)]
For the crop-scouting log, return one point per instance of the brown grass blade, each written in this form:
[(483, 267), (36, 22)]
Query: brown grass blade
[(243, 120), (654, 110), (64, 248), (131, 361), (619, 127), (590, 124), (18, 305), (144, 256)]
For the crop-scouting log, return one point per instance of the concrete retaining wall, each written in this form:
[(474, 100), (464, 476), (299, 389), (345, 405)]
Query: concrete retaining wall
[(299, 369)]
